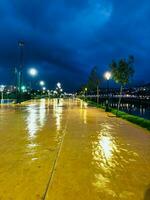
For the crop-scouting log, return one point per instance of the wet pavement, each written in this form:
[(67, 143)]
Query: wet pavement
[(69, 151)]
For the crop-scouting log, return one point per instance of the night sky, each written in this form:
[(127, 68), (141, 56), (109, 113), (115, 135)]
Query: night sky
[(64, 39)]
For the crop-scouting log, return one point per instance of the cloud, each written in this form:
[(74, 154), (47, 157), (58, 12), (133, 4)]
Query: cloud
[(70, 36)]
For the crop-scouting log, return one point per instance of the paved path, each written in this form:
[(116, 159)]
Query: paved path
[(69, 151)]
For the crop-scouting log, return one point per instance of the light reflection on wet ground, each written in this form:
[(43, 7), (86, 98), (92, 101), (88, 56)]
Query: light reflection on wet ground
[(74, 151), (28, 146)]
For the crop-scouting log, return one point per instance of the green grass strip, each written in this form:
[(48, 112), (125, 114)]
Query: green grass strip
[(145, 123)]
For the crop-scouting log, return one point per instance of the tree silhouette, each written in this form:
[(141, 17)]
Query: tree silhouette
[(94, 82), (122, 71)]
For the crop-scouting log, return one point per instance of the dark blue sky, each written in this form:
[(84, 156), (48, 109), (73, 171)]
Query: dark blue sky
[(65, 38)]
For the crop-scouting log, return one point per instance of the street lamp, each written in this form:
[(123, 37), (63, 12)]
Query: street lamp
[(23, 88), (21, 47), (59, 91), (85, 91), (59, 85), (42, 83), (33, 72), (107, 76), (2, 92)]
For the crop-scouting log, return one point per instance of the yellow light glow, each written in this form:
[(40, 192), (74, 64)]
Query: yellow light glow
[(107, 75), (107, 147), (42, 112), (85, 116), (104, 148), (36, 117), (58, 109), (104, 156), (32, 118)]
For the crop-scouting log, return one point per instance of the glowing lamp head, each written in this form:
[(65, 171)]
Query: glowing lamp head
[(33, 72), (59, 85), (107, 75), (23, 87), (2, 87), (42, 83)]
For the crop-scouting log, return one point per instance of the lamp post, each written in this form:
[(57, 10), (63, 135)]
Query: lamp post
[(85, 91), (33, 73), (59, 85), (21, 47), (42, 84), (59, 91), (19, 73), (2, 92), (107, 76)]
